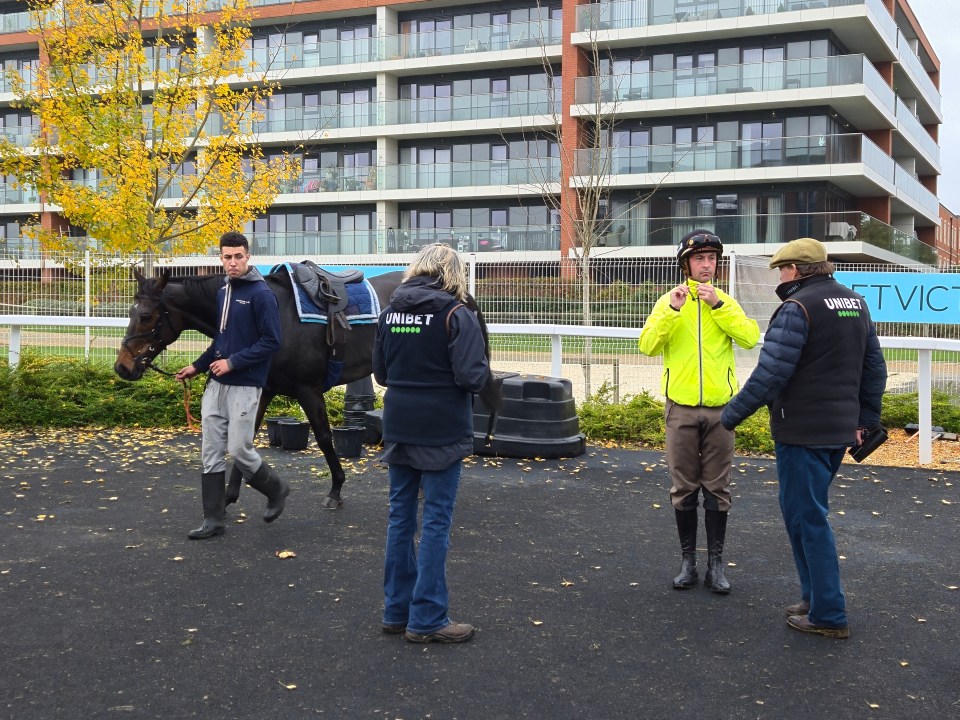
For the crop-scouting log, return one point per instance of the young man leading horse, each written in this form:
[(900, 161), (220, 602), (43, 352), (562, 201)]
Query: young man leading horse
[(238, 360)]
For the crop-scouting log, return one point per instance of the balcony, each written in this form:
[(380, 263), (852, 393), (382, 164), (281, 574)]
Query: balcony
[(858, 90), (21, 135), (851, 161), (469, 43), (456, 108), (286, 57), (538, 176), (619, 23), (911, 67), (483, 106), (473, 41), (334, 179), (19, 195), (516, 238), (15, 22), (920, 141), (852, 236)]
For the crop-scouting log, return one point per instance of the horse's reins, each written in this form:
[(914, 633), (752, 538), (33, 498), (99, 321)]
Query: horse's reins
[(146, 361)]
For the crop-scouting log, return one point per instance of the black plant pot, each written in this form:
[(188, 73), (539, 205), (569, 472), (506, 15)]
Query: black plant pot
[(294, 435)]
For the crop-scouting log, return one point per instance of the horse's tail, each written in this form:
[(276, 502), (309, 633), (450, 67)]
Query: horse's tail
[(490, 393)]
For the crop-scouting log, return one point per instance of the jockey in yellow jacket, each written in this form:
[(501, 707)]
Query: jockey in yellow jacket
[(694, 327)]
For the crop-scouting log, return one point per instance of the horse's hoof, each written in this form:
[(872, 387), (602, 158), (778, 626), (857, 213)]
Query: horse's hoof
[(333, 503)]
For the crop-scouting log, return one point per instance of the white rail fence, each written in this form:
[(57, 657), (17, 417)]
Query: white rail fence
[(924, 347)]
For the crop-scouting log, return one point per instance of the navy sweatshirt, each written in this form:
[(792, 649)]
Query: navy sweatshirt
[(249, 331)]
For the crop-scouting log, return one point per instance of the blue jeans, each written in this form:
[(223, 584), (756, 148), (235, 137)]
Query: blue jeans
[(415, 583), (805, 475)]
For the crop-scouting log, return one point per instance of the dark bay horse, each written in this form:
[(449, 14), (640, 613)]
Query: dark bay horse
[(164, 307)]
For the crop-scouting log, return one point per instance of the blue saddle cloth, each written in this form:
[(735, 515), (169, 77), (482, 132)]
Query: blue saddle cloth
[(363, 305)]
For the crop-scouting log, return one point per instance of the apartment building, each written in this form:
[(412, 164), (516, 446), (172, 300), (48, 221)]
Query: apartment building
[(474, 123)]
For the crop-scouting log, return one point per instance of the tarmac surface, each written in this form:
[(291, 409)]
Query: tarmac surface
[(109, 611)]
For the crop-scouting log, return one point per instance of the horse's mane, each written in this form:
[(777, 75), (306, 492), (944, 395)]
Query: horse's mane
[(199, 287)]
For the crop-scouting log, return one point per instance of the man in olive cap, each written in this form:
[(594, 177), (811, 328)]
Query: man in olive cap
[(822, 375)]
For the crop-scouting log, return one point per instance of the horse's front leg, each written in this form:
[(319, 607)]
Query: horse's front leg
[(314, 405), (236, 477)]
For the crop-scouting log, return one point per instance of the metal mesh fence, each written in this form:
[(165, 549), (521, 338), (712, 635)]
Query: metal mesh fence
[(618, 293)]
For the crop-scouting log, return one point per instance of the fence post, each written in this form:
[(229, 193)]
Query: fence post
[(924, 394), (556, 356), (13, 354), (732, 277), (86, 302), (472, 274), (616, 381)]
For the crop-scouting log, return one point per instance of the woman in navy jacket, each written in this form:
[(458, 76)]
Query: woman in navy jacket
[(431, 356)]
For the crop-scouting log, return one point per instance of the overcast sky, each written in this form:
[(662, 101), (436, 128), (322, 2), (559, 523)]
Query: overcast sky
[(936, 19)]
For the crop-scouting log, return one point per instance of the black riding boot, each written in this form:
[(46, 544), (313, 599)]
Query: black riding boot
[(266, 480), (233, 487), (687, 529), (716, 524), (211, 489)]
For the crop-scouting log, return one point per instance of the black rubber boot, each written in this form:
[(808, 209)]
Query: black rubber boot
[(233, 487), (687, 529), (266, 480), (212, 491), (716, 524)]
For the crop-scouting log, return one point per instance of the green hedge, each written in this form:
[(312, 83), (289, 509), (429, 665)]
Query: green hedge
[(47, 392)]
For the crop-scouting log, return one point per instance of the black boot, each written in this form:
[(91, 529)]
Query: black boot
[(687, 529), (212, 490), (233, 487), (266, 480), (716, 524)]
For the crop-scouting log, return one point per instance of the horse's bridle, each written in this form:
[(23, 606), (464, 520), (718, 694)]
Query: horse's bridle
[(157, 343)]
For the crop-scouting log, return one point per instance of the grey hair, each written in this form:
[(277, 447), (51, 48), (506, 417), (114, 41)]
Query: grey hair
[(444, 263)]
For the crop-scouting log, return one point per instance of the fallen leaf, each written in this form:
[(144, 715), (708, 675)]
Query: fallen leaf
[(289, 686), (537, 622), (284, 554), (904, 663), (565, 583)]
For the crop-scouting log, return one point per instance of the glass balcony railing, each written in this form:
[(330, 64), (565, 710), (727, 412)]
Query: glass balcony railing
[(26, 73), (644, 13), (909, 186), (538, 172), (484, 106), (735, 155), (480, 239), (751, 77), (912, 127), (465, 41), (917, 73), (300, 244), (15, 22), (315, 118), (456, 41), (21, 135), (735, 229), (636, 230), (294, 56), (338, 179), (20, 194)]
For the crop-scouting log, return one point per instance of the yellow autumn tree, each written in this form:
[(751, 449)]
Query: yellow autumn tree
[(146, 112)]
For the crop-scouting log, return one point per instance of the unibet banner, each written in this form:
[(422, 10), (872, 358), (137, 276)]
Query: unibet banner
[(932, 298)]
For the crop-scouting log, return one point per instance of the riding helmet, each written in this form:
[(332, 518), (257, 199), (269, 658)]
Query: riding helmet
[(697, 241)]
